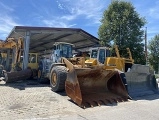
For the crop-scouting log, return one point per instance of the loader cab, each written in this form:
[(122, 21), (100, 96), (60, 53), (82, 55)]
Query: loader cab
[(32, 60), (62, 49), (100, 53)]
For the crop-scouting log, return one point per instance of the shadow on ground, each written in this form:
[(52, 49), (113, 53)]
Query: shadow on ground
[(95, 104), (21, 85), (147, 97), (63, 93)]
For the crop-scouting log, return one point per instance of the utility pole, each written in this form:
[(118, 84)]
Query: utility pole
[(158, 64), (146, 46)]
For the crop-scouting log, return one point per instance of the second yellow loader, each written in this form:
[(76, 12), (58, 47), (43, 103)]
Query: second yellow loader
[(138, 79)]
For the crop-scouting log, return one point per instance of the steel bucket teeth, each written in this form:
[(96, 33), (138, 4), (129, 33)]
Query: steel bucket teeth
[(90, 103), (95, 87)]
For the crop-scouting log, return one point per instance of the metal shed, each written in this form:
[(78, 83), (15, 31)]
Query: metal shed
[(43, 38), (40, 39)]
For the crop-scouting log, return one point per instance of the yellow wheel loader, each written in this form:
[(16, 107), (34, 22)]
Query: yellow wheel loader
[(86, 86), (137, 78)]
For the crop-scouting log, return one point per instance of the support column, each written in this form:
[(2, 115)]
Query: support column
[(158, 64), (13, 55), (26, 49), (7, 60)]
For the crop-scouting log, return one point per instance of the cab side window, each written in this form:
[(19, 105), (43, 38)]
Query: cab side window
[(32, 58)]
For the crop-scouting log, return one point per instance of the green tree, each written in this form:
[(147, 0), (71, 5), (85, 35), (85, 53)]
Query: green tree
[(154, 53), (122, 25)]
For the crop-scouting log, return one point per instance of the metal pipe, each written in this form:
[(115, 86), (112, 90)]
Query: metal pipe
[(146, 45), (158, 64)]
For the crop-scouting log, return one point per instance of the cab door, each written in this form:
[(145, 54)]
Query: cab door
[(33, 61)]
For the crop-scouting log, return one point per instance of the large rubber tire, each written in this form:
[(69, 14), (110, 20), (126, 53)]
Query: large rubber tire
[(58, 77), (40, 77), (34, 73)]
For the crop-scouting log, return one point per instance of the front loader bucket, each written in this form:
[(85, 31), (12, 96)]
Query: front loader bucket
[(92, 87), (17, 75), (140, 81)]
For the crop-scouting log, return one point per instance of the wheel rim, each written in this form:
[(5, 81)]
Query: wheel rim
[(39, 73), (54, 79)]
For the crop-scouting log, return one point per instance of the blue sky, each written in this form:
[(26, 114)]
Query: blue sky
[(84, 14)]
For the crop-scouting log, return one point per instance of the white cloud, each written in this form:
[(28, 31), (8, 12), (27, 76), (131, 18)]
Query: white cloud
[(70, 11), (48, 17), (68, 17), (60, 6), (154, 11), (5, 7), (6, 23), (90, 10), (57, 23), (149, 10), (6, 20)]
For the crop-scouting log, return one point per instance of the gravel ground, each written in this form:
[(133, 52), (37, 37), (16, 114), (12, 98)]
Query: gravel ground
[(29, 100)]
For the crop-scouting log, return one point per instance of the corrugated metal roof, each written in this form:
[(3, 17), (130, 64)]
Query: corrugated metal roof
[(43, 38)]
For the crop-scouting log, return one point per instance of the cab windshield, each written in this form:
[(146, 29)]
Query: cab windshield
[(102, 56), (66, 50), (94, 53)]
